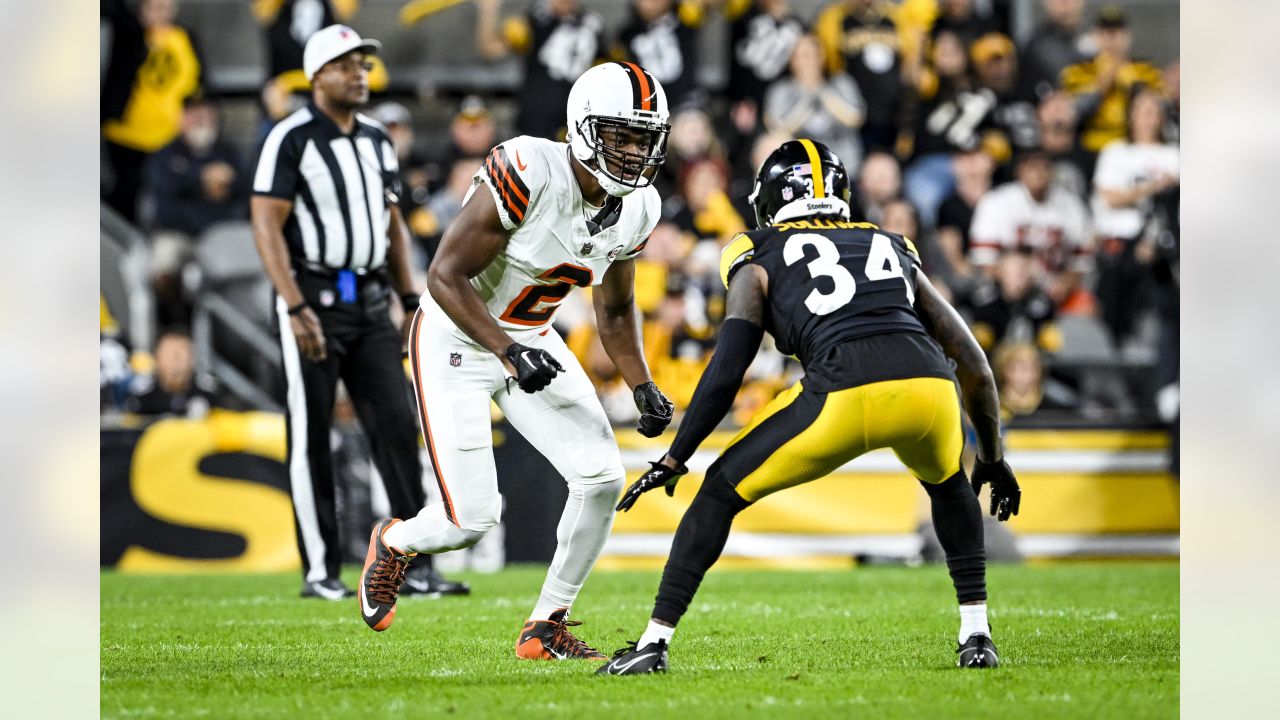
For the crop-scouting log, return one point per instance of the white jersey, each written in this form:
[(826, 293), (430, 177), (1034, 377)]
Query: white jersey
[(1055, 231), (551, 248), (1123, 166)]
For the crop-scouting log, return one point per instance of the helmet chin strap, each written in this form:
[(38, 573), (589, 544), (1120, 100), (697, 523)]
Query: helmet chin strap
[(805, 207)]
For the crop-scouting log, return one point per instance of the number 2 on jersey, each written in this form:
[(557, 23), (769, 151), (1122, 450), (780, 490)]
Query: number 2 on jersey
[(525, 310), (882, 264)]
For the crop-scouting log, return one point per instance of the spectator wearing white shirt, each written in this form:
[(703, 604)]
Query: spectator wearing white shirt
[(1130, 176), (1051, 224)]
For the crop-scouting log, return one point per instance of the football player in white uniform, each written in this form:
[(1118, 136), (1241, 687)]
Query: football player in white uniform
[(542, 218)]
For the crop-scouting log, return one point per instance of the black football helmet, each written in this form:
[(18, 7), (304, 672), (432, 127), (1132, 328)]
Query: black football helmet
[(800, 170)]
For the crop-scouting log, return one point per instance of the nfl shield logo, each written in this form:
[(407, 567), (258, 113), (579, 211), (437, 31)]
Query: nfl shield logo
[(787, 193), (587, 248), (455, 359)]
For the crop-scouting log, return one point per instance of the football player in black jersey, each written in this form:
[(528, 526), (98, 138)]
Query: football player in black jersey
[(851, 303)]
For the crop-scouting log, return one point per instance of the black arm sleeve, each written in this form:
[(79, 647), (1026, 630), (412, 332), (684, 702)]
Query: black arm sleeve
[(735, 349)]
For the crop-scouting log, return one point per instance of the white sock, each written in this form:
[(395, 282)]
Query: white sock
[(580, 536), (973, 619), (654, 633)]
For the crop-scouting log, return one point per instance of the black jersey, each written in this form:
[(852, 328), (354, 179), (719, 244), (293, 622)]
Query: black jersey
[(840, 299)]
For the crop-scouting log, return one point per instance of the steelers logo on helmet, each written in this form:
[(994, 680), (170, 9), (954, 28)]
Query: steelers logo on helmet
[(801, 178), (618, 122)]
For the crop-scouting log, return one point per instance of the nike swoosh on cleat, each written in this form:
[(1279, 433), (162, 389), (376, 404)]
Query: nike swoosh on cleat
[(364, 604), (623, 668)]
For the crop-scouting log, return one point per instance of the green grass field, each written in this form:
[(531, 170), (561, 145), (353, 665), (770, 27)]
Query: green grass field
[(1077, 640)]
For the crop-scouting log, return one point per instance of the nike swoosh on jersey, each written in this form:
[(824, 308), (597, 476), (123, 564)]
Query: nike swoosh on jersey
[(520, 163), (623, 668)]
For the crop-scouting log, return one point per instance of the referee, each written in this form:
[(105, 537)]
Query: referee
[(327, 227)]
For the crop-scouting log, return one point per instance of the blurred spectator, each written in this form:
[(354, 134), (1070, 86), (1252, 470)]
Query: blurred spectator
[(1060, 40), (1172, 78), (900, 217), (959, 17), (949, 116), (1011, 308), (973, 171), (762, 36), (1103, 86), (174, 389), (1057, 123), (859, 38), (194, 182), (879, 182), (663, 39), (113, 361), (288, 24), (1031, 215), (692, 138), (708, 210), (1130, 174), (152, 116), (443, 207), (811, 104), (416, 179), (995, 66), (559, 41), (1020, 379)]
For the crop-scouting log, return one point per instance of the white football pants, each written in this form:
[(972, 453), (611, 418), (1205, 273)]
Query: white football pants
[(455, 379)]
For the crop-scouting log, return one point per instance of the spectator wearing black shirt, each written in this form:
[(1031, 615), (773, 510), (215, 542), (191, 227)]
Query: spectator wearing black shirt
[(663, 39), (762, 35), (973, 172), (950, 116), (196, 180), (173, 389), (1057, 123), (1011, 307), (860, 38), (1059, 41), (960, 17), (559, 42), (995, 67)]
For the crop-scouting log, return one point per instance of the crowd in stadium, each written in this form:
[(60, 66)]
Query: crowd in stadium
[(1039, 179)]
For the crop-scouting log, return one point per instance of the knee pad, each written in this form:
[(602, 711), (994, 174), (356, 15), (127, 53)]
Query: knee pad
[(481, 515)]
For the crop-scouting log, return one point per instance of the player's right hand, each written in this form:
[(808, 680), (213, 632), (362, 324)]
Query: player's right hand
[(309, 333), (534, 367), (658, 476), (1006, 496)]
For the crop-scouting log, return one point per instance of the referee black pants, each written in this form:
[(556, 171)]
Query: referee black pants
[(364, 349)]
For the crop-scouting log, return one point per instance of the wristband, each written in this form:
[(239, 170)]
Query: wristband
[(410, 301), (298, 308)]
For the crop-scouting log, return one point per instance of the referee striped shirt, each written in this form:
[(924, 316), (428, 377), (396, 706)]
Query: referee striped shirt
[(338, 184)]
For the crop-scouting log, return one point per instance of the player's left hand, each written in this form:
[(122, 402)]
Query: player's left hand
[(655, 409), (1006, 496), (658, 476)]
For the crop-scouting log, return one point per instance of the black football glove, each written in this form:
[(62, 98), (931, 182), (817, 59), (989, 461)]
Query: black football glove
[(1006, 496), (658, 476), (655, 410), (534, 367)]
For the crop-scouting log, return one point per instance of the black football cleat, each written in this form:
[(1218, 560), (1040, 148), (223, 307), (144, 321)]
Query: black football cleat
[(380, 580), (550, 639), (326, 589), (630, 660), (424, 580), (977, 652)]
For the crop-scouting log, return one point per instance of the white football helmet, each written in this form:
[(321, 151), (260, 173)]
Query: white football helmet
[(618, 121)]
